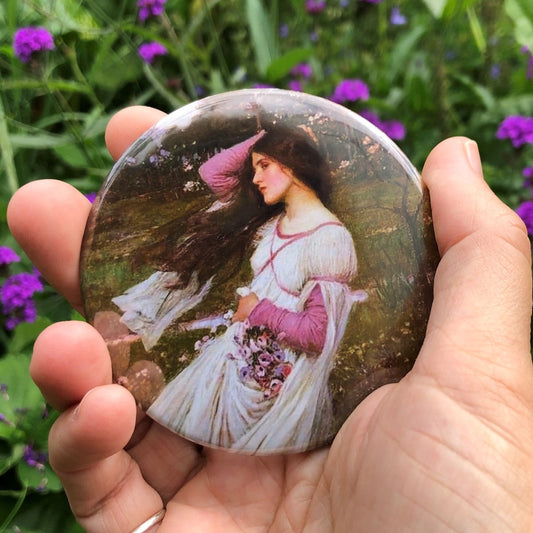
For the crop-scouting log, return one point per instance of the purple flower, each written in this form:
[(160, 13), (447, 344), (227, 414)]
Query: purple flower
[(90, 196), (396, 18), (315, 6), (525, 212), (518, 129), (495, 71), (30, 40), (284, 31), (199, 90), (150, 8), (149, 51), (350, 91), (393, 128), (16, 296), (265, 359), (7, 256), (303, 69), (245, 373), (34, 458), (295, 85)]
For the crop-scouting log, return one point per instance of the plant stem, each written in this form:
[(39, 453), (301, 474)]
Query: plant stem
[(7, 152), (21, 497)]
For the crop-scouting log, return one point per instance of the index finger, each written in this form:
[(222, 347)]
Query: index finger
[(48, 217)]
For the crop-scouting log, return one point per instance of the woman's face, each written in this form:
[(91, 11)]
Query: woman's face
[(272, 179)]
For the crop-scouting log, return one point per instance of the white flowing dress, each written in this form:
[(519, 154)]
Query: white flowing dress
[(209, 402)]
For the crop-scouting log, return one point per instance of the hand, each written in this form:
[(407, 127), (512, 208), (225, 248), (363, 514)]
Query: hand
[(446, 449), (245, 307)]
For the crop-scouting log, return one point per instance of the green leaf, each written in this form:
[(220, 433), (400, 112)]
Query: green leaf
[(112, 68), (281, 66), (41, 513), (521, 13), (63, 16), (482, 93), (477, 30), (436, 7), (9, 455), (446, 9), (25, 334), (47, 87), (403, 51), (454, 8), (6, 149), (216, 82), (19, 396), (39, 141), (262, 38), (72, 155), (42, 479)]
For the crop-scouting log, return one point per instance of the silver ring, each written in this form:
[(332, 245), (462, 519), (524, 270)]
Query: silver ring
[(152, 521)]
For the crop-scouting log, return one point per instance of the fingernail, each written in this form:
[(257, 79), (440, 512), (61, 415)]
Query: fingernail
[(76, 412), (472, 155)]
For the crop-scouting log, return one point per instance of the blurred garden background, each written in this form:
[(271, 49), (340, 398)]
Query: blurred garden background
[(421, 70)]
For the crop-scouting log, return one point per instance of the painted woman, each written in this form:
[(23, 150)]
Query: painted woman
[(262, 385)]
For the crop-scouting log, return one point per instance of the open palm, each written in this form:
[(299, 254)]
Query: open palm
[(446, 449)]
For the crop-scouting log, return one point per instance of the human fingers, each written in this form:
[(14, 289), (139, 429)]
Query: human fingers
[(104, 485), (127, 125), (482, 306), (69, 359)]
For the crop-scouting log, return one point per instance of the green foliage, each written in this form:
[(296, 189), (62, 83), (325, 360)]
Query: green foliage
[(456, 67), (521, 12)]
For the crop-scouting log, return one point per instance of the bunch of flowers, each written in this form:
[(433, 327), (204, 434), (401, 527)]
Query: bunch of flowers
[(7, 256), (150, 8), (149, 51), (315, 6), (350, 91), (31, 40), (525, 212), (518, 129), (34, 458), (16, 296), (17, 290), (393, 128), (263, 359), (396, 17)]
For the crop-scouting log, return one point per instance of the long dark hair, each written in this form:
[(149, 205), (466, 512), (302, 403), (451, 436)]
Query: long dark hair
[(215, 242)]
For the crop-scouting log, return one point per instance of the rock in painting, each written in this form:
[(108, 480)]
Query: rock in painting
[(145, 380)]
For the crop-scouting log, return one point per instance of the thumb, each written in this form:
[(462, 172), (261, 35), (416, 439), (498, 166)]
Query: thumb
[(482, 294)]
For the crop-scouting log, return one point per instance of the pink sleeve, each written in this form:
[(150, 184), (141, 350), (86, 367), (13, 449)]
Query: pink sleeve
[(304, 330), (221, 172)]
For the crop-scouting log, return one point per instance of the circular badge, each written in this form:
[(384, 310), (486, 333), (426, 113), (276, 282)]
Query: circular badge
[(258, 262)]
